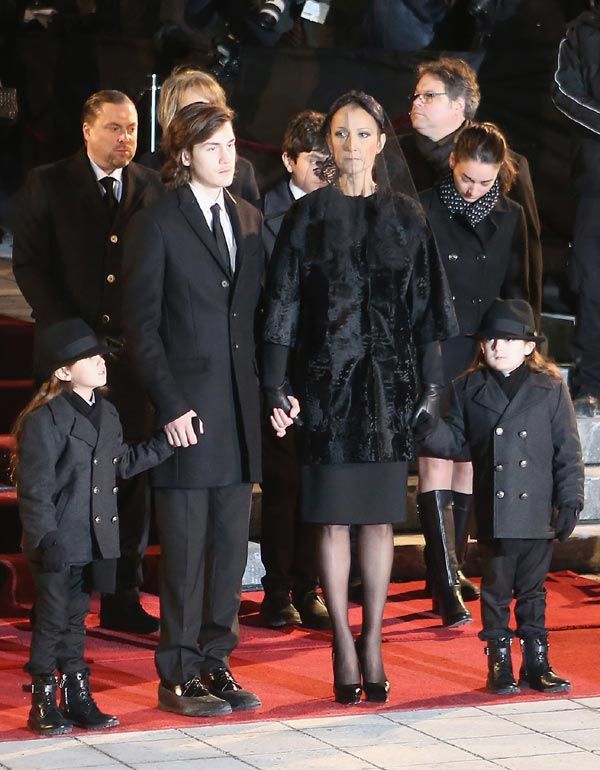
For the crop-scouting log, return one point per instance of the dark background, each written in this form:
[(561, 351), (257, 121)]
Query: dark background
[(56, 68)]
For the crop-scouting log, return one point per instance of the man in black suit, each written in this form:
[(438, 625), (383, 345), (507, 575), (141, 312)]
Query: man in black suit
[(194, 263), (446, 97), (288, 547), (70, 220)]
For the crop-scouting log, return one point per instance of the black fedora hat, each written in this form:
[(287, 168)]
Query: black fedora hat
[(63, 343), (508, 319)]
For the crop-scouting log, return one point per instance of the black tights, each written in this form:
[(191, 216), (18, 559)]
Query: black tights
[(375, 556)]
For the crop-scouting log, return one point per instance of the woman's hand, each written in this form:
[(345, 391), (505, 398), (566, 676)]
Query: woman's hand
[(282, 421)]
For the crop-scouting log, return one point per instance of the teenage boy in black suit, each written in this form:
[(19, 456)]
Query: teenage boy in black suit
[(193, 266)]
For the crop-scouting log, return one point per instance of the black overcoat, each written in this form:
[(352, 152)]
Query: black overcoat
[(426, 173), (67, 254), (67, 477), (353, 286), (482, 262), (526, 453), (190, 328)]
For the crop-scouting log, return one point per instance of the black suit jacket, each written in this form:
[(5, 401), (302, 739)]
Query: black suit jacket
[(67, 253), (275, 205), (191, 334), (425, 174)]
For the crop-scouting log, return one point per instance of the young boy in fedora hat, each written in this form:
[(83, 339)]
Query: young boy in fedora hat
[(69, 453), (512, 408)]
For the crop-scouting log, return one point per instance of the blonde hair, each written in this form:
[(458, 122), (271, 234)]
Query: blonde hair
[(177, 83), (51, 388)]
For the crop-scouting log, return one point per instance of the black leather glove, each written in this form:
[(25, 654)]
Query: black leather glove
[(430, 404), (277, 398), (566, 521), (53, 557), (424, 426)]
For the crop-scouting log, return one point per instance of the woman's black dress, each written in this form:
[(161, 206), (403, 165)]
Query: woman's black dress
[(354, 284)]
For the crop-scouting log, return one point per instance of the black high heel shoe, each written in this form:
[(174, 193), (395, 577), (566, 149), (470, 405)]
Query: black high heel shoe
[(376, 692), (347, 694)]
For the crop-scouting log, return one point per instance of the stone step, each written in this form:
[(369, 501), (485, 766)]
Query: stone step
[(589, 434), (580, 553), (559, 330)]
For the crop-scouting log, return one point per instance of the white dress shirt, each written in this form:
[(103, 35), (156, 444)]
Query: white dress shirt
[(296, 191), (117, 175), (205, 202)]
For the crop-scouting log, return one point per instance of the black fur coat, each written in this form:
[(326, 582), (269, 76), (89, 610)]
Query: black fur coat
[(354, 286)]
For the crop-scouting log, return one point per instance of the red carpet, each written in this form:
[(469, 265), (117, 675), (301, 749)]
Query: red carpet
[(429, 667)]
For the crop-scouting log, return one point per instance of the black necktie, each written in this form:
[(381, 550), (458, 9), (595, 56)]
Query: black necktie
[(217, 229), (110, 199)]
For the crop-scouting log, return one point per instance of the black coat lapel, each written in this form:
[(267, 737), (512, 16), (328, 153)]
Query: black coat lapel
[(131, 192), (193, 213), (490, 396), (84, 430), (534, 389), (85, 189), (231, 206)]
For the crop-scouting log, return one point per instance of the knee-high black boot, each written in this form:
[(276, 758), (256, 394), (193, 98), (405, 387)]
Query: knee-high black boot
[(461, 507), (435, 512), (536, 671)]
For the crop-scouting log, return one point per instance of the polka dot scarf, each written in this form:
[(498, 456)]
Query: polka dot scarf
[(472, 212)]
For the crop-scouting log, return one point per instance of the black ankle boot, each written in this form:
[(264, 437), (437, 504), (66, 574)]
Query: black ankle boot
[(45, 717), (435, 512), (78, 704), (462, 506), (536, 671), (501, 680)]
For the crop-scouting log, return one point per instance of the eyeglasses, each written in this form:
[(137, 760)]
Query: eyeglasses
[(427, 96)]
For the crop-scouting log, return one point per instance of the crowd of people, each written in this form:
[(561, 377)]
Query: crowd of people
[(317, 347)]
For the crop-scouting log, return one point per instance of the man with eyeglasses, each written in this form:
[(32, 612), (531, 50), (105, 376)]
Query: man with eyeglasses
[(69, 225), (445, 99)]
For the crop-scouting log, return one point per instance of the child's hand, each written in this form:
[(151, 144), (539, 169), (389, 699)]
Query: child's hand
[(180, 432), (52, 552), (566, 521), (281, 421)]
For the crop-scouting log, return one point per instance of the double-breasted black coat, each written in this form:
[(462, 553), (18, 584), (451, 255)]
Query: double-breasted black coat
[(191, 331), (483, 262), (67, 253), (428, 163), (67, 477), (354, 286), (526, 452)]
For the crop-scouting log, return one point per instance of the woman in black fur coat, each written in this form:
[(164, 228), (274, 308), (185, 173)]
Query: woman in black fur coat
[(357, 300)]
